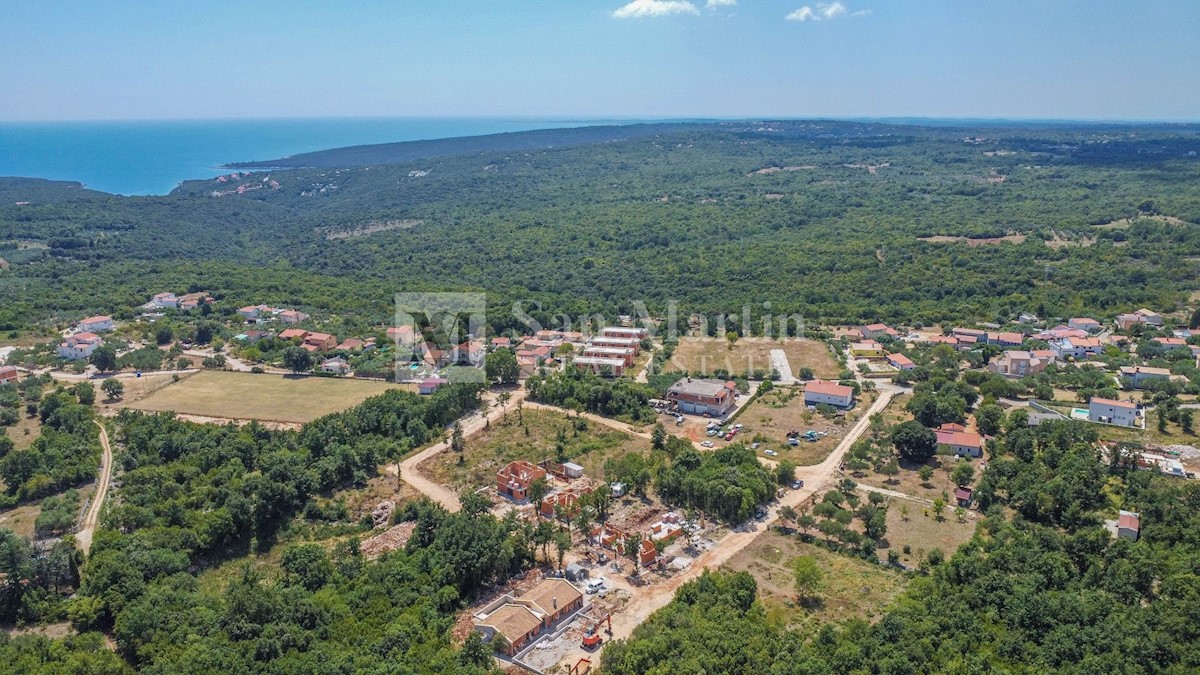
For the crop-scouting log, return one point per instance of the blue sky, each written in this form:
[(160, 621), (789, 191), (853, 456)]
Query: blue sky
[(130, 59)]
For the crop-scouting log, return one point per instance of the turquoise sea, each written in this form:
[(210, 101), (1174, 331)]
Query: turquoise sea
[(152, 157)]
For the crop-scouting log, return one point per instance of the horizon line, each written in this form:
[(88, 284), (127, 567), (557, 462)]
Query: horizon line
[(564, 119)]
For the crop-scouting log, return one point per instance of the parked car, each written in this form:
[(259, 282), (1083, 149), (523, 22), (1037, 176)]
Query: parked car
[(797, 484), (793, 441), (737, 427), (770, 453), (754, 446), (706, 444), (594, 585)]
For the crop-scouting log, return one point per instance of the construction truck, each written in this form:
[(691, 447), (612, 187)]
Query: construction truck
[(591, 636)]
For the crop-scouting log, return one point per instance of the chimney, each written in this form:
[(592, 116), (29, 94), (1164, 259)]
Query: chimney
[(554, 602)]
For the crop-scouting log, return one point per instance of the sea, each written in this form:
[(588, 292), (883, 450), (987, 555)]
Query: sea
[(153, 157)]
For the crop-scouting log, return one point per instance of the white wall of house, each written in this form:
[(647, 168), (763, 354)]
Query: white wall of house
[(816, 398)]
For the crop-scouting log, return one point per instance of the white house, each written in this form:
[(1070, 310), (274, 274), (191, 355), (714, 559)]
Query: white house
[(1138, 375), (254, 311), (1108, 411), (291, 317), (335, 365), (1076, 348), (430, 385), (165, 300), (962, 442), (96, 324), (1085, 323), (79, 346), (836, 395)]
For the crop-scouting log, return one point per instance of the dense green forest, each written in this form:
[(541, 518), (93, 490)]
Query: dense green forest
[(1046, 589), (824, 219), (195, 499)]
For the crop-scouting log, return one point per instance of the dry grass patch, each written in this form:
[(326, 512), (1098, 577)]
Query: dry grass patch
[(25, 431), (852, 587), (922, 532), (707, 355), (276, 398), (531, 436)]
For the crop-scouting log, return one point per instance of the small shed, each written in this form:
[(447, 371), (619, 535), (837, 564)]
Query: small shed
[(576, 572), (573, 470), (963, 496)]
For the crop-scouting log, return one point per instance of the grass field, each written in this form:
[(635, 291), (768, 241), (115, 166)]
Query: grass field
[(711, 354), (922, 532), (275, 398), (852, 587), (508, 440)]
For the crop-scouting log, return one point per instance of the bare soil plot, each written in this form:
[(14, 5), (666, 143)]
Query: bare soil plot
[(21, 519), (852, 587), (533, 440), (922, 532), (708, 355), (231, 395)]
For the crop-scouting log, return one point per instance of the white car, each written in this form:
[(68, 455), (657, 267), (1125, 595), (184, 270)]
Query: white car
[(738, 426), (770, 453), (594, 585), (754, 446), (706, 444)]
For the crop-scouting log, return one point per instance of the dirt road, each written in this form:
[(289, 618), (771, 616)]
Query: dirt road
[(650, 599), (83, 538), (472, 424)]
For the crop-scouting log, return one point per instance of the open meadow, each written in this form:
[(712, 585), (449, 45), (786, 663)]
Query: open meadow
[(851, 588), (707, 355), (274, 398), (532, 436)]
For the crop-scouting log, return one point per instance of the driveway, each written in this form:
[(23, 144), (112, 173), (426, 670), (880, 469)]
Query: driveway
[(779, 361)]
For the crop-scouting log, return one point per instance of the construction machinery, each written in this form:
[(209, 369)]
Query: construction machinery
[(591, 636)]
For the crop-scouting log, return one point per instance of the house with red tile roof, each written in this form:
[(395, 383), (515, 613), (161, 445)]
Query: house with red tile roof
[(96, 324), (402, 335), (837, 395), (79, 346), (900, 362), (876, 329), (1129, 525), (1018, 363), (1169, 343), (1109, 411), (960, 441), (1086, 324), (351, 344)]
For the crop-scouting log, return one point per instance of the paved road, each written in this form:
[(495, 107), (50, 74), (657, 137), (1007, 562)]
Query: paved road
[(472, 425), (779, 361), (83, 538)]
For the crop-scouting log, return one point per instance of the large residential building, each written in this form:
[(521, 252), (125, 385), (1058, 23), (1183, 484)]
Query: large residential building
[(831, 393), (624, 332), (1108, 411), (1139, 375), (623, 353), (601, 365), (703, 397), (519, 620), (612, 341), (1076, 348), (79, 346), (1018, 364), (96, 324), (165, 300)]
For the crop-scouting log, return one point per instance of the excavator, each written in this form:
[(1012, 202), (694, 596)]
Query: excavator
[(591, 636)]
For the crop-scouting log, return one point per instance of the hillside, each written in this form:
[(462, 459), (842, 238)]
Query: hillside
[(837, 221)]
